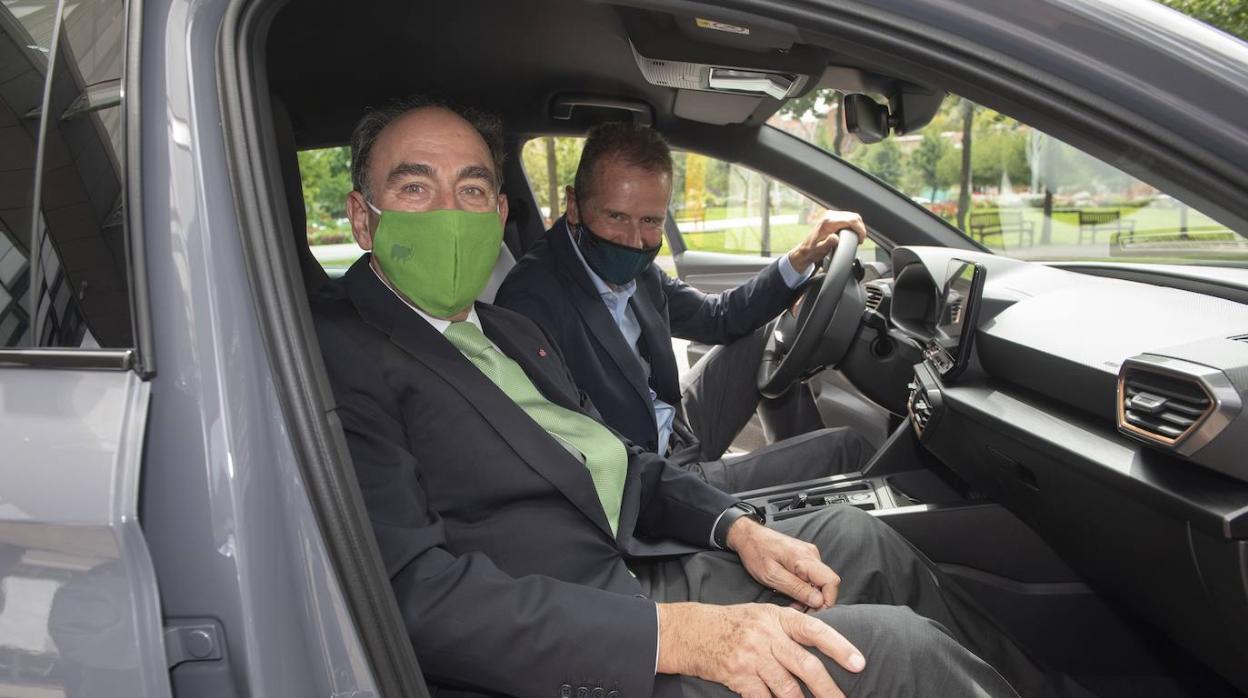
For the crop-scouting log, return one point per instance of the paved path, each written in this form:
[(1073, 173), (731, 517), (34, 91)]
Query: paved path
[(689, 226)]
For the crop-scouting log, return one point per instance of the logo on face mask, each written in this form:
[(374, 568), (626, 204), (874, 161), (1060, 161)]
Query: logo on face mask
[(615, 263), (441, 260)]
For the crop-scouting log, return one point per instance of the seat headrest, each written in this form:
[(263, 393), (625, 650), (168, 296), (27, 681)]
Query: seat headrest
[(288, 158), (506, 260)]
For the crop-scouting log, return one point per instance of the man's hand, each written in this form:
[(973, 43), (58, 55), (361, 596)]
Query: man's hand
[(822, 238), (786, 564), (753, 649)]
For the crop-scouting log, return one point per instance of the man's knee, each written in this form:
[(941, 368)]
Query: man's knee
[(908, 654), (853, 448)]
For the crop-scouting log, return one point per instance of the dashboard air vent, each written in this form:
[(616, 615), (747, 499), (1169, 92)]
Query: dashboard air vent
[(875, 295), (1159, 407)]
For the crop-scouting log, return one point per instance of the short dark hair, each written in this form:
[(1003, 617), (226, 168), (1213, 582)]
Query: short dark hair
[(374, 121), (636, 145)]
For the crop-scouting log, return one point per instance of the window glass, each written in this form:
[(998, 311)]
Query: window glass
[(326, 175), (718, 206), (1020, 191), (80, 291), (724, 207)]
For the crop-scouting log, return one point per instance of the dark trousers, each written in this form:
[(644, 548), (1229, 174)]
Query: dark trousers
[(720, 394), (921, 634)]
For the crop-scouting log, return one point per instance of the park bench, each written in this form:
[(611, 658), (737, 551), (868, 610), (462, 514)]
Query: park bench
[(997, 222), (1093, 222)]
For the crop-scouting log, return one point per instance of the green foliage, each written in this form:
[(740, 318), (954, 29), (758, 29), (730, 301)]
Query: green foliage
[(326, 177), (926, 172), (1000, 147), (817, 103), (1230, 17), (567, 155), (884, 160)]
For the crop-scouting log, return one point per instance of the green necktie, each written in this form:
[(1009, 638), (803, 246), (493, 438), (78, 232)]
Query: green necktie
[(604, 454)]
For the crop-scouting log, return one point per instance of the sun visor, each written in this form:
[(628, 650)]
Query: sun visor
[(713, 107)]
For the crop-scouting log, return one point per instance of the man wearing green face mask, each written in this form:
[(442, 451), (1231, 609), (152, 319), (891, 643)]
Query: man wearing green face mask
[(533, 551)]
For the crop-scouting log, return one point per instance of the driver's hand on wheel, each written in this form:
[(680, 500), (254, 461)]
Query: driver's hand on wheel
[(823, 237), (756, 650)]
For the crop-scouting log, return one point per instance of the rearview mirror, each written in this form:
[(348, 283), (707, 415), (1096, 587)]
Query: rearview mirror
[(910, 108), (865, 119)]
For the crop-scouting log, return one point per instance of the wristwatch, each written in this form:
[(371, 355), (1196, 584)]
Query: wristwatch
[(719, 536)]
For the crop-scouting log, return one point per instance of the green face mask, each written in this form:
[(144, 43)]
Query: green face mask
[(439, 259)]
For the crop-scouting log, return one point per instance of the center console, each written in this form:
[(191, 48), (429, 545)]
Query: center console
[(900, 477)]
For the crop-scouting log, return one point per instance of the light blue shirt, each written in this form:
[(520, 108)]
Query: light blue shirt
[(617, 302)]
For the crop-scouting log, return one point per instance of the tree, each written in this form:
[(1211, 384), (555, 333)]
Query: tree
[(326, 175), (820, 104), (1230, 17), (534, 159), (964, 192), (925, 162), (884, 160), (552, 177)]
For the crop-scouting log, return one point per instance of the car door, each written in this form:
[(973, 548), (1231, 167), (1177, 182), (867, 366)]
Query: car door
[(79, 608)]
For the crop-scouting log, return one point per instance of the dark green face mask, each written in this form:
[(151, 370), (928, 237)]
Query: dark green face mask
[(615, 263), (439, 259)]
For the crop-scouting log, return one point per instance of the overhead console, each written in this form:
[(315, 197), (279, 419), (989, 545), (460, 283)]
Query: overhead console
[(728, 67), (724, 68)]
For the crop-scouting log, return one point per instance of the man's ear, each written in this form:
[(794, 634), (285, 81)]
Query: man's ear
[(360, 216), (573, 212)]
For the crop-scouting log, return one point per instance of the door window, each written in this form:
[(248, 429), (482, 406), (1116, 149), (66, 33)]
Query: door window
[(724, 207), (717, 206), (68, 214)]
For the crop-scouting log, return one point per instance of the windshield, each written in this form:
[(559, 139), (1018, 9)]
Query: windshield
[(1019, 191)]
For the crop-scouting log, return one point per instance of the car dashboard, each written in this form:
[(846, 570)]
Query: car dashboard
[(1108, 415)]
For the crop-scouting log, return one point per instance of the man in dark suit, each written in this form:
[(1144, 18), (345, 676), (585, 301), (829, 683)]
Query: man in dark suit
[(591, 282), (532, 551)]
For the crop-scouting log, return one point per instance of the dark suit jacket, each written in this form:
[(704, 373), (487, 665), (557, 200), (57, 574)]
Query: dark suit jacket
[(496, 544), (551, 286)]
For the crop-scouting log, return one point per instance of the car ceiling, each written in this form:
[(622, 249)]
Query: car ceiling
[(512, 58)]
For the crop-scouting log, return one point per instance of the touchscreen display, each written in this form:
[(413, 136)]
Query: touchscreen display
[(953, 302), (955, 320)]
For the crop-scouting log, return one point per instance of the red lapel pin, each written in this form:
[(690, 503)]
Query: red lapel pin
[(541, 352)]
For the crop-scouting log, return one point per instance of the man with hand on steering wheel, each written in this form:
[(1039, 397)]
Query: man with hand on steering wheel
[(592, 284)]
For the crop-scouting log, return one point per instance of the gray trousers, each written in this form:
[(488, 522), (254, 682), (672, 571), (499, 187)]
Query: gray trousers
[(921, 634), (720, 394)]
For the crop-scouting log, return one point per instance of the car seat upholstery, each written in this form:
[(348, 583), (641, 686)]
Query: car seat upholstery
[(314, 275)]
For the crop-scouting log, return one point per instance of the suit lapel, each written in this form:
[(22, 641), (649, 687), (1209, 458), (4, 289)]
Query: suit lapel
[(594, 313), (381, 308)]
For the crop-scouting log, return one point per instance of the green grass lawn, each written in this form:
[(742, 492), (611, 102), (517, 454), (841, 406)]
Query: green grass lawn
[(1150, 223)]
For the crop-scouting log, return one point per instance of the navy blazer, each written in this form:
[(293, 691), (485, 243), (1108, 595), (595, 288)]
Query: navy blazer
[(496, 543), (552, 287)]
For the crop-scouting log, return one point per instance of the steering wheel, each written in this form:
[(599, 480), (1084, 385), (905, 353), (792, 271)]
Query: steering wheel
[(798, 347)]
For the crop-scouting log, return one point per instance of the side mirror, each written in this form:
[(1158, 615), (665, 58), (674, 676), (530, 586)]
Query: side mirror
[(865, 118)]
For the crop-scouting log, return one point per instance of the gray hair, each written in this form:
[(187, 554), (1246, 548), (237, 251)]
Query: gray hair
[(374, 121)]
